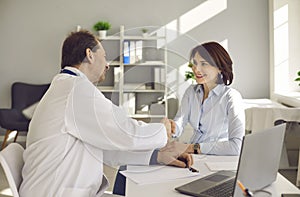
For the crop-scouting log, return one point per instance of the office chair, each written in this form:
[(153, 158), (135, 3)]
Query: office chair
[(22, 96), (290, 150), (11, 160), (289, 161)]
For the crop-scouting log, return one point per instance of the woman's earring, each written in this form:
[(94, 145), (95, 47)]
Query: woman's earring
[(220, 78)]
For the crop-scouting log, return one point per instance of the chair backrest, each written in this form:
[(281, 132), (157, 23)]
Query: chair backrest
[(290, 150), (11, 159), (24, 95)]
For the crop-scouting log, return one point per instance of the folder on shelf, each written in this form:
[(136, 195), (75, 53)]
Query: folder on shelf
[(126, 52)]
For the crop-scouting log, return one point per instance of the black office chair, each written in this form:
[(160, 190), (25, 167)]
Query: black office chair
[(22, 95)]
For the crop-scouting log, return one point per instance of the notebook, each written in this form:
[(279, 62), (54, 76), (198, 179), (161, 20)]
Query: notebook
[(257, 168)]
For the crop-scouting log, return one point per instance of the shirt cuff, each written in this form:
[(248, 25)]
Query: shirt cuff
[(153, 159)]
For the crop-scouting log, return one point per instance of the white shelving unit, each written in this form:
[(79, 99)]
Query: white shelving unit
[(139, 86)]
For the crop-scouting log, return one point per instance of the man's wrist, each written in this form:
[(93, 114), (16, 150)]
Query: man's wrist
[(196, 148)]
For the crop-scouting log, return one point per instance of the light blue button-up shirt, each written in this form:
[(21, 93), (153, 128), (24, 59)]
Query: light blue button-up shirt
[(218, 122)]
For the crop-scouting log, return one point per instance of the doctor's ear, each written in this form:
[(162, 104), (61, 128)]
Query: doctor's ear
[(89, 55)]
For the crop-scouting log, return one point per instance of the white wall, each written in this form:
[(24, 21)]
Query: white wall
[(32, 32)]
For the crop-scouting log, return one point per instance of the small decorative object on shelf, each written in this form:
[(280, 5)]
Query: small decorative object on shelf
[(145, 32), (298, 78), (102, 27), (189, 74)]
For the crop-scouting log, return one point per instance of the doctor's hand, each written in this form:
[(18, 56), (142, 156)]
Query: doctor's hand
[(167, 124), (174, 154)]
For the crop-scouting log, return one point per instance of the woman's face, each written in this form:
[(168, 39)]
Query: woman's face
[(204, 72)]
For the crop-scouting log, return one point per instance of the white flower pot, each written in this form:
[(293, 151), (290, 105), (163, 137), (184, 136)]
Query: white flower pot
[(102, 33), (145, 35)]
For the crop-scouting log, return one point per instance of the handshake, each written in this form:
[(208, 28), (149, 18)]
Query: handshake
[(174, 153)]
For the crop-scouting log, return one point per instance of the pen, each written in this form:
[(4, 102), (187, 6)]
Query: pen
[(245, 190), (191, 168)]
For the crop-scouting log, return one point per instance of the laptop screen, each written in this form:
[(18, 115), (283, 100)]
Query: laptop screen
[(258, 165), (260, 158)]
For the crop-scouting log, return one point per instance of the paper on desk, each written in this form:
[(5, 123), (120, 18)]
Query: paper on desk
[(156, 174), (217, 166)]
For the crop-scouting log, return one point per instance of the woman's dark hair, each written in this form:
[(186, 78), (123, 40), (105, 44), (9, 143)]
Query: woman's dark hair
[(74, 47), (216, 56)]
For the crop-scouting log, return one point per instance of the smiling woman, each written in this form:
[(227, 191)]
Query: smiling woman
[(211, 107)]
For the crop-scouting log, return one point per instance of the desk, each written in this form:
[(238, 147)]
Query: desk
[(262, 113), (166, 189)]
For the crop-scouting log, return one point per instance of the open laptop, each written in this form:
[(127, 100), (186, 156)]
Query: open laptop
[(258, 165)]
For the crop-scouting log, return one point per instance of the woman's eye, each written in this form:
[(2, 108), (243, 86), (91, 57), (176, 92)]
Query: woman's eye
[(203, 64)]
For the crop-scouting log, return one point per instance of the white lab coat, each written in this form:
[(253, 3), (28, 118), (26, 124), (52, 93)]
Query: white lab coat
[(73, 131)]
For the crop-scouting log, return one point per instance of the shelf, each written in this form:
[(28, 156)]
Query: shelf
[(110, 38), (146, 116), (150, 63), (143, 38), (144, 91), (107, 89), (132, 38), (114, 63)]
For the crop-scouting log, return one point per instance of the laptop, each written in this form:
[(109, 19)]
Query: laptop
[(257, 168)]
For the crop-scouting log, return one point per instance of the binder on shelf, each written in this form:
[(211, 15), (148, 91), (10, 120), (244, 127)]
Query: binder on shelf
[(126, 52), (132, 52), (138, 51)]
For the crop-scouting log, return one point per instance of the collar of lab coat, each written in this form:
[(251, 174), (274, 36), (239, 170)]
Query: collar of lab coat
[(77, 71)]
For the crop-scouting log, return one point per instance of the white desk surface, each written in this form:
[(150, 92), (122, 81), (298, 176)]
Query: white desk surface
[(166, 189)]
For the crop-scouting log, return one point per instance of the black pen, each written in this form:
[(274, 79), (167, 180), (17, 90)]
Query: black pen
[(191, 168)]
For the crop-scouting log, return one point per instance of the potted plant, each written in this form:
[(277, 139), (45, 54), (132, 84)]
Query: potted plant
[(298, 78), (190, 74), (145, 32), (102, 27)]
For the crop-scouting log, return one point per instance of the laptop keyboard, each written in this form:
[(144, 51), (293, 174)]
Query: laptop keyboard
[(223, 190)]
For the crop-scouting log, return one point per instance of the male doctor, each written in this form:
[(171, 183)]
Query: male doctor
[(75, 129)]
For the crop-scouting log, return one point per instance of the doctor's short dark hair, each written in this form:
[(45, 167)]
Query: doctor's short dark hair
[(75, 45), (216, 56)]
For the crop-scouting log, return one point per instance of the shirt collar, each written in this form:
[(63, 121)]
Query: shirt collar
[(75, 70), (216, 90)]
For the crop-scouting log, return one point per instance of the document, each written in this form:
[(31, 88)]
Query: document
[(156, 174), (217, 166)]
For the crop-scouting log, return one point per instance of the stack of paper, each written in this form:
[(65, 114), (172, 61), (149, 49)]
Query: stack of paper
[(156, 174)]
